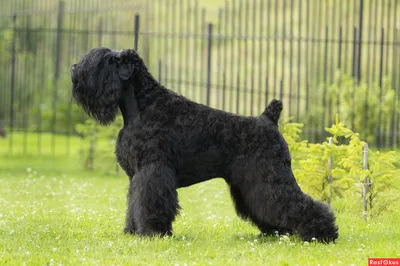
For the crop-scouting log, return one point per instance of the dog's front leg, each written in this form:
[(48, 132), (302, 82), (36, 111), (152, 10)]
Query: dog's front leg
[(154, 199), (130, 227)]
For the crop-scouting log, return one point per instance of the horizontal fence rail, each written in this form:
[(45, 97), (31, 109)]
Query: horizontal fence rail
[(321, 58)]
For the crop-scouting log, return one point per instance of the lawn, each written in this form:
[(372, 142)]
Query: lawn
[(53, 212)]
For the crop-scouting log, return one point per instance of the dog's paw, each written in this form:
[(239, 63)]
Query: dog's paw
[(130, 231)]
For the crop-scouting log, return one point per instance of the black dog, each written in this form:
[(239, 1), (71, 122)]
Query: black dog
[(169, 142)]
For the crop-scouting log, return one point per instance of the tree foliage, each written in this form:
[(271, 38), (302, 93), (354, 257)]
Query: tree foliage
[(310, 164)]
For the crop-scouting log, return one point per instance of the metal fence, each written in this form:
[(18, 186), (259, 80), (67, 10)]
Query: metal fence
[(321, 58)]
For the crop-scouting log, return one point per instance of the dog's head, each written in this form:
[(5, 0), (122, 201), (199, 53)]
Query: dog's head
[(100, 78)]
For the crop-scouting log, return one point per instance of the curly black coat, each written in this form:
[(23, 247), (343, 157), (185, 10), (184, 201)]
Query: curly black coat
[(169, 142)]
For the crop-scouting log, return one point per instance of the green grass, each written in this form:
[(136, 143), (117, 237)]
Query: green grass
[(52, 212)]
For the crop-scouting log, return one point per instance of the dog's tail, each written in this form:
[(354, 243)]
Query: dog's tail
[(273, 110)]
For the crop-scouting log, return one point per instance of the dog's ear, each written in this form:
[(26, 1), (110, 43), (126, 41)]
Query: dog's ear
[(273, 110), (125, 70)]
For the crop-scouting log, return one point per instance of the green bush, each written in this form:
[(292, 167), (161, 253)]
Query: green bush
[(310, 164), (99, 144)]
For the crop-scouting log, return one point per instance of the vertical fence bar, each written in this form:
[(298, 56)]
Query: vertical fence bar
[(283, 47), (178, 55), (323, 116), (172, 35), (397, 127), (244, 68), (239, 50), (269, 39), (354, 75), (332, 54), (370, 44), (223, 90), (195, 47), (13, 61), (313, 81), (225, 45), (219, 59), (266, 91), (388, 20), (360, 32), (260, 55), (299, 52), (376, 36), (308, 59), (203, 97), (291, 59), (253, 59), (370, 76), (333, 24), (60, 15), (378, 135), (232, 57), (275, 75), (392, 136), (136, 32), (189, 18), (366, 184), (175, 46), (396, 101), (209, 48), (25, 87), (41, 92), (165, 40), (160, 71), (319, 73), (338, 94)]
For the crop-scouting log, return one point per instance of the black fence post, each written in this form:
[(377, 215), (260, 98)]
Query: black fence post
[(210, 30), (378, 135), (60, 15), (325, 82), (13, 55), (338, 94), (136, 32), (360, 29), (160, 71), (355, 75), (223, 90), (266, 91)]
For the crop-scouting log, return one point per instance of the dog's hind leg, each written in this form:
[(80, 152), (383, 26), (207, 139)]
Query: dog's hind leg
[(245, 213), (154, 199), (286, 207)]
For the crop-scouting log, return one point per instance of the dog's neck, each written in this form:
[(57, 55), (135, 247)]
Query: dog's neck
[(128, 105), (147, 89)]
